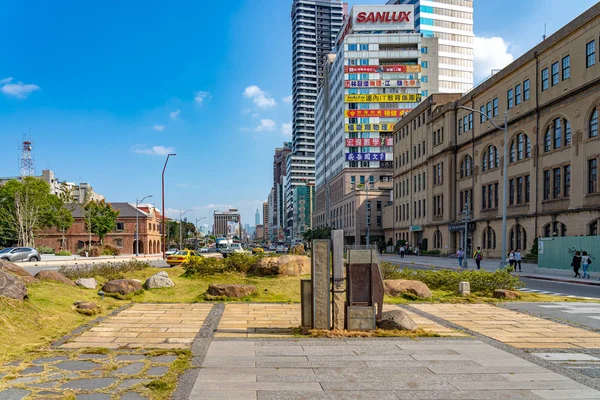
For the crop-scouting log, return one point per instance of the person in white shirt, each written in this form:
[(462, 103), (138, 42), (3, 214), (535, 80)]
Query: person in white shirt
[(585, 261), (518, 259)]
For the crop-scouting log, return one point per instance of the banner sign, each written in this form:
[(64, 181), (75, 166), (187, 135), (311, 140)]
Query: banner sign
[(374, 69), (376, 113), (383, 18), (365, 156), (382, 83), (382, 98), (368, 142), (383, 127)]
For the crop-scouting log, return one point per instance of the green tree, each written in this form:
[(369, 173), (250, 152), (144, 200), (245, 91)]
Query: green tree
[(103, 218), (25, 208), (62, 207)]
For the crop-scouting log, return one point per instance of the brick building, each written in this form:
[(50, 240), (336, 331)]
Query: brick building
[(446, 157), (123, 236)]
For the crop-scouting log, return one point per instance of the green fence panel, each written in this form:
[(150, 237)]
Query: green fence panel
[(557, 252)]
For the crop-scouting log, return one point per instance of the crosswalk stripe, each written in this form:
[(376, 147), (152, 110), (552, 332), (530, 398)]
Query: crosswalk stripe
[(557, 294)]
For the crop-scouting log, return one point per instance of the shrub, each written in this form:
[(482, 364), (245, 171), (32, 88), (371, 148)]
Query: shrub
[(63, 253), (202, 266), (45, 250), (93, 251), (432, 253), (110, 250), (108, 270), (240, 262), (483, 282)]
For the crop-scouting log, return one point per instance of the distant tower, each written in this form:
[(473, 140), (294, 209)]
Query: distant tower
[(26, 162), (257, 217)]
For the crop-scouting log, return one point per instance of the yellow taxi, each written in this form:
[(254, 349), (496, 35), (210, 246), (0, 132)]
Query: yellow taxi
[(181, 256), (258, 250)]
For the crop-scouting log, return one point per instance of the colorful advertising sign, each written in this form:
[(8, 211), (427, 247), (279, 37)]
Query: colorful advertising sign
[(380, 18), (382, 98), (365, 156), (374, 69), (369, 142), (233, 228), (384, 127), (376, 113), (382, 83)]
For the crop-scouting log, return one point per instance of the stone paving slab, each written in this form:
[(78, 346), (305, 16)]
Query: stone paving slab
[(427, 324), (259, 320), (428, 369), (164, 326), (513, 328)]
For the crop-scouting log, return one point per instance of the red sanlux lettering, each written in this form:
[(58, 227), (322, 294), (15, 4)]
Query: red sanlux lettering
[(386, 16)]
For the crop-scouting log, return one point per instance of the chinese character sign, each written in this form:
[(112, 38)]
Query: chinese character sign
[(382, 98), (369, 142), (365, 156), (374, 69), (376, 113), (382, 83), (382, 127)]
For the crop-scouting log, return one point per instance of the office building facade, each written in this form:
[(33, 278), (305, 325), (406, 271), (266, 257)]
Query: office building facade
[(227, 223)]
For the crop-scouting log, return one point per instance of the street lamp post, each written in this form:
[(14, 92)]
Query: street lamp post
[(197, 220), (181, 214), (137, 225), (164, 249), (466, 237), (504, 177)]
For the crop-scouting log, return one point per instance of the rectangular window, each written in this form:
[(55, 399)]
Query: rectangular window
[(424, 79), (465, 123), (527, 188), (424, 208), (518, 94), (120, 226), (557, 182), (547, 184), (470, 121), (510, 98), (555, 78), (352, 47), (511, 194), (424, 93), (496, 194), (526, 90), (482, 114), (483, 197), (460, 205), (490, 196), (519, 190), (495, 108), (567, 181), (424, 50), (488, 110), (590, 54), (415, 209), (419, 204), (544, 79), (434, 175), (424, 64), (364, 47), (592, 175), (566, 67)]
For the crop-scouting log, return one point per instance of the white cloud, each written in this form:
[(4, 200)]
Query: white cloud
[(265, 125), (158, 128), (259, 97), (154, 150), (287, 99), (246, 111), (175, 115), (19, 90), (490, 53), (200, 96), (286, 129)]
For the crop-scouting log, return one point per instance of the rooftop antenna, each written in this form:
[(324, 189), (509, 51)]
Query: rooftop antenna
[(544, 37), (26, 164)]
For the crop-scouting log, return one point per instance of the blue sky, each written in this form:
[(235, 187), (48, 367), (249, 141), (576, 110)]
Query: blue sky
[(108, 88)]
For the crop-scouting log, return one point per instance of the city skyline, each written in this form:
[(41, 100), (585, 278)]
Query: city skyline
[(106, 111)]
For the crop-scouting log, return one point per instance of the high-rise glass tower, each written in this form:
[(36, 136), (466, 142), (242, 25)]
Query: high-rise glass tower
[(315, 25), (257, 220), (452, 23)]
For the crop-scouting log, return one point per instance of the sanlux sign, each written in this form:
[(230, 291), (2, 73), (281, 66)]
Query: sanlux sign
[(379, 18)]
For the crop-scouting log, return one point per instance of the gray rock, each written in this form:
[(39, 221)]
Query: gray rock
[(25, 379), (130, 357), (396, 319), (133, 396), (235, 291), (32, 370), (160, 280), (14, 394), (94, 396), (49, 393), (88, 283), (44, 385), (92, 356), (89, 384), (12, 287), (55, 276), (157, 371), (163, 359), (122, 286), (130, 369), (77, 365), (127, 383), (48, 360)]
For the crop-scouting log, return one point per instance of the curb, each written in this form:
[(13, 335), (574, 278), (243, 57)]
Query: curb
[(90, 261), (574, 282)]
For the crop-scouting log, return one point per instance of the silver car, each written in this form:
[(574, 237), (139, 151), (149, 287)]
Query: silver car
[(19, 254)]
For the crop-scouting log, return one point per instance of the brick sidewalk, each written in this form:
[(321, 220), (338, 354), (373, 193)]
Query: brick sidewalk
[(513, 328), (259, 320)]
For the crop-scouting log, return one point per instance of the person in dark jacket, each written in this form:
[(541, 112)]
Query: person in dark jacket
[(576, 264)]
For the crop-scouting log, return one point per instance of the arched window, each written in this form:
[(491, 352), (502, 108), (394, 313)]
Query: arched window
[(466, 167), (491, 158), (555, 229), (437, 239), (489, 238), (593, 228), (520, 148), (557, 135), (594, 124), (518, 238)]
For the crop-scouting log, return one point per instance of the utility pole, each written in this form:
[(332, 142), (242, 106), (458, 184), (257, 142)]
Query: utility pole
[(137, 225), (164, 244), (368, 211), (466, 236), (180, 230)]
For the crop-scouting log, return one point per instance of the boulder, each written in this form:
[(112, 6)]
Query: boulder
[(12, 287), (397, 287), (298, 249), (51, 275), (18, 272), (88, 283), (86, 307), (122, 286), (230, 290), (396, 320), (160, 280), (289, 265), (506, 294)]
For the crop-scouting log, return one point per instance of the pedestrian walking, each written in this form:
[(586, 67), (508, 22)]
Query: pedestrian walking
[(478, 256), (518, 259), (576, 264), (460, 255), (417, 251), (585, 261), (511, 259), (402, 251)]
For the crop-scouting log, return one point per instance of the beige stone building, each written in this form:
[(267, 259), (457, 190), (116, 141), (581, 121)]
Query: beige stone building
[(446, 156)]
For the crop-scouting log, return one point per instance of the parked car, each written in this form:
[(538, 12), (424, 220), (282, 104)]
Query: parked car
[(282, 249), (204, 250), (19, 254), (171, 251), (257, 250), (181, 256), (232, 248)]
